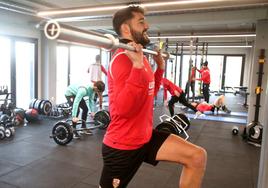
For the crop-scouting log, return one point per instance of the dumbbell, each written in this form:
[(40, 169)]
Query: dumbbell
[(9, 132), (2, 133), (235, 130)]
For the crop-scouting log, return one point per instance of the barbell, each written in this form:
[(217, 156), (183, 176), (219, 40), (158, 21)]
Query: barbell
[(53, 31), (177, 124), (62, 131)]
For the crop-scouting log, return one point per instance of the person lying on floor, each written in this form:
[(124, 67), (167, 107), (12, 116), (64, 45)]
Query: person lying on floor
[(177, 95), (218, 104)]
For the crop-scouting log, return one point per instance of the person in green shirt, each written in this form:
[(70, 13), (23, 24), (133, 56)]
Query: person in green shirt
[(75, 96)]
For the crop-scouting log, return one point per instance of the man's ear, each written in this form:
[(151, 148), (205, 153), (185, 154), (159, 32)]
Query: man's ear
[(125, 30)]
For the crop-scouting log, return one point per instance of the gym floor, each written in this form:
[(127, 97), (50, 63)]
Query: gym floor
[(32, 160)]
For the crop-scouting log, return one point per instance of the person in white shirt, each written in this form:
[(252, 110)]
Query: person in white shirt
[(95, 71)]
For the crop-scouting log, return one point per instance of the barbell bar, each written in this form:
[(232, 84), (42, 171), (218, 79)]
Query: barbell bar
[(54, 31)]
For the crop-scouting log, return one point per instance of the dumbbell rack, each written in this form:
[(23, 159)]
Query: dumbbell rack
[(4, 105)]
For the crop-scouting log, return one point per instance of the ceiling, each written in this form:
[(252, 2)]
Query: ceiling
[(192, 17)]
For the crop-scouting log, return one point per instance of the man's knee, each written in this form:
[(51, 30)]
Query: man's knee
[(199, 158)]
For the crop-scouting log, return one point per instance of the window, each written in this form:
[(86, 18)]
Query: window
[(18, 69), (72, 66), (233, 71), (215, 65), (80, 59), (5, 72), (25, 73), (62, 73)]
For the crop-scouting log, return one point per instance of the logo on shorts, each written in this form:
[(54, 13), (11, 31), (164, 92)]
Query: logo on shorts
[(116, 182)]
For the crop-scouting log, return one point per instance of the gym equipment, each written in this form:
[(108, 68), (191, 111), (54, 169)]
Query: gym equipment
[(7, 129), (220, 118), (63, 131), (177, 124), (2, 132), (102, 117), (181, 66), (235, 130), (19, 114), (42, 106), (31, 115), (253, 131), (54, 31)]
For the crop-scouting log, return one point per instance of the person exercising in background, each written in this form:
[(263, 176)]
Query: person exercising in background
[(130, 138), (218, 104), (177, 95), (191, 82), (205, 78), (75, 96), (95, 71)]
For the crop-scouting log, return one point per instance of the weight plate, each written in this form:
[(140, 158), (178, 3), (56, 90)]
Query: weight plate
[(45, 107), (102, 116), (8, 132), (32, 103), (62, 133), (2, 134)]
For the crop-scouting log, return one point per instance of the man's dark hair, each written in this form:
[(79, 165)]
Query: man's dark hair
[(124, 15), (205, 63), (100, 86)]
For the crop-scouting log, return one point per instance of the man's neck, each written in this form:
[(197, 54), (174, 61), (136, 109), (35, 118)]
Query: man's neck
[(124, 40)]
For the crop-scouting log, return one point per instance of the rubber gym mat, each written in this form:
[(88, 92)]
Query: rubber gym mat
[(219, 118)]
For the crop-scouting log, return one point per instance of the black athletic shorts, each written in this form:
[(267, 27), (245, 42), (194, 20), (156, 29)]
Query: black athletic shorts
[(121, 165)]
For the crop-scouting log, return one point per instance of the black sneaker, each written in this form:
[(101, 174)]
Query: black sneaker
[(226, 110)]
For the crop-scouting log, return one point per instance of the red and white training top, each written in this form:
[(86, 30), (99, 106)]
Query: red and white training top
[(202, 107), (205, 75), (170, 87), (131, 94)]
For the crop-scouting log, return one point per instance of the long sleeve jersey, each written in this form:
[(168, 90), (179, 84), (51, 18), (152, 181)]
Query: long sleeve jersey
[(131, 94), (170, 87), (79, 92), (205, 75), (202, 107)]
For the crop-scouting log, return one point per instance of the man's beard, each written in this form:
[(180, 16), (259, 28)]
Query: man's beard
[(139, 37)]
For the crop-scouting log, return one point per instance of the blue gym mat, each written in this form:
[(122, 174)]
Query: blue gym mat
[(241, 114), (218, 118)]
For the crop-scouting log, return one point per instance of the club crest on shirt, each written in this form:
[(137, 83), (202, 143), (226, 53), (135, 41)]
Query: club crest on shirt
[(151, 88), (116, 182), (151, 85)]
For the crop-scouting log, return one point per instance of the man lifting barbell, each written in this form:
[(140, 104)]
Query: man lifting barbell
[(130, 138), (75, 96)]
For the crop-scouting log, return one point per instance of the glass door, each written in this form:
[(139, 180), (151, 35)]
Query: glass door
[(5, 64), (25, 73), (5, 70), (62, 73), (233, 71), (215, 65)]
